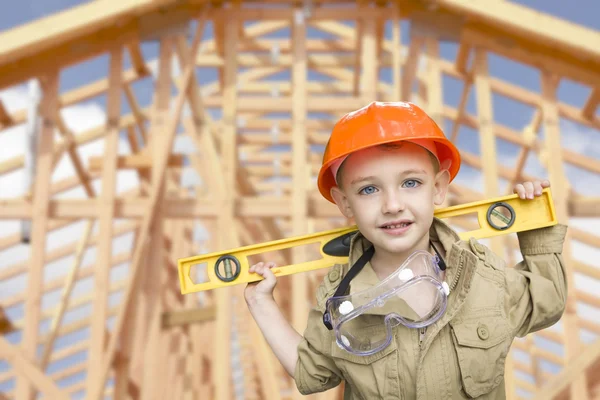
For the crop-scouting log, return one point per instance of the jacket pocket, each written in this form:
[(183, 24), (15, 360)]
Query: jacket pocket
[(370, 377), (481, 347)]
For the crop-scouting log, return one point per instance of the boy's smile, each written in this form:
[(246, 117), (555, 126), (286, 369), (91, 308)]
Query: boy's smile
[(390, 192)]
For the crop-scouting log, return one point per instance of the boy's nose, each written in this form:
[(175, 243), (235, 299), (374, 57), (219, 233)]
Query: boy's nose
[(392, 204)]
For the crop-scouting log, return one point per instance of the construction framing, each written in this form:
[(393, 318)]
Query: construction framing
[(252, 89)]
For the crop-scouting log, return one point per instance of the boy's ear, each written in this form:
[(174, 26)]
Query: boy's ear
[(341, 201), (440, 188)]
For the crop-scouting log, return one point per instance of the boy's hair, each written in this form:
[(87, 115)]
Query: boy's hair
[(386, 147)]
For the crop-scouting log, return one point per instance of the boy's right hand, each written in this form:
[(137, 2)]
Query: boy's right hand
[(263, 289)]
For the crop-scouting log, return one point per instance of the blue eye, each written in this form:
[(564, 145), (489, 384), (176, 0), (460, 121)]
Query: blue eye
[(411, 183), (367, 190)]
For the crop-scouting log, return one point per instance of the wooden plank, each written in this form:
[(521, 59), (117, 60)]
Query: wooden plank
[(39, 215), (543, 57), (27, 370), (136, 161), (63, 48), (490, 165), (409, 72), (529, 24), (301, 173), (172, 319), (435, 101), (589, 109), (6, 325), (106, 207), (5, 118), (147, 220), (223, 324), (557, 176), (153, 305), (396, 56), (64, 298), (137, 59)]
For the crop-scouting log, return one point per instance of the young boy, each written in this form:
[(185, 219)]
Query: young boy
[(387, 166)]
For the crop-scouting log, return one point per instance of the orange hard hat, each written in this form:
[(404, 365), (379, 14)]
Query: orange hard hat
[(379, 123)]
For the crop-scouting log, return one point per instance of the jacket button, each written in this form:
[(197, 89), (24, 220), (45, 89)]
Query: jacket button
[(334, 275), (482, 332), (479, 248)]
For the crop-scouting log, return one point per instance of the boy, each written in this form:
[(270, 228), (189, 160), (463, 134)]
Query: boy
[(386, 166)]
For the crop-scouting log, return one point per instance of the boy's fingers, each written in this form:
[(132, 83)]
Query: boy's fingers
[(520, 190), (537, 188), (528, 189), (254, 267), (545, 183), (269, 276)]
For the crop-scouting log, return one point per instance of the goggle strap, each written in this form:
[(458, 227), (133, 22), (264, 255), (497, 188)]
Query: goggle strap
[(343, 287), (440, 260)]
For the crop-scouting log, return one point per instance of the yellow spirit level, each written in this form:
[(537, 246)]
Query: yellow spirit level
[(502, 215)]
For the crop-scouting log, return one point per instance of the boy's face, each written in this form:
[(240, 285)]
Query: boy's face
[(391, 193)]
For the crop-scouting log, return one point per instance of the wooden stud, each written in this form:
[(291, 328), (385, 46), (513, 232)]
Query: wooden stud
[(299, 156), (41, 196), (490, 165), (589, 109), (153, 307), (411, 65), (27, 370), (558, 178), (106, 214), (222, 347)]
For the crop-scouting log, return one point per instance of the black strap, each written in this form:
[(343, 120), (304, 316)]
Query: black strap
[(354, 270), (440, 260), (343, 287)]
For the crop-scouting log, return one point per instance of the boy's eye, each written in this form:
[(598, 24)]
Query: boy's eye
[(367, 190), (411, 183)]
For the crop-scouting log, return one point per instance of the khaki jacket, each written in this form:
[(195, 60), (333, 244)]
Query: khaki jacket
[(463, 354)]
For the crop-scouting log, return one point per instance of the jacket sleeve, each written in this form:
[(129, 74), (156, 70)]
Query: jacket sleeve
[(537, 286), (315, 369)]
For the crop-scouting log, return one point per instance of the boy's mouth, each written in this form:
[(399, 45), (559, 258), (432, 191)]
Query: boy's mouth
[(396, 225)]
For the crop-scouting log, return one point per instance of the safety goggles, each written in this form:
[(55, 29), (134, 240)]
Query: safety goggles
[(415, 296)]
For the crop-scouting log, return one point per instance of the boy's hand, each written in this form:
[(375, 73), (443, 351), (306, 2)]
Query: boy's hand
[(527, 190), (263, 289)]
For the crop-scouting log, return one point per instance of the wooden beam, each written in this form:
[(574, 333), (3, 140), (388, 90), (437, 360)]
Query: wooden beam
[(5, 118), (153, 304), (39, 216), (155, 194), (226, 219), (106, 208), (490, 165), (557, 176), (411, 66), (64, 298), (28, 50), (301, 173), (589, 109), (530, 25), (172, 319), (136, 161), (6, 325), (574, 67), (27, 370)]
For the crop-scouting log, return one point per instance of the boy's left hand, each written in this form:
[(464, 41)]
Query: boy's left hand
[(528, 190)]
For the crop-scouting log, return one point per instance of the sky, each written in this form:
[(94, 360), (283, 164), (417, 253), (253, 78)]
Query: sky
[(91, 113)]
